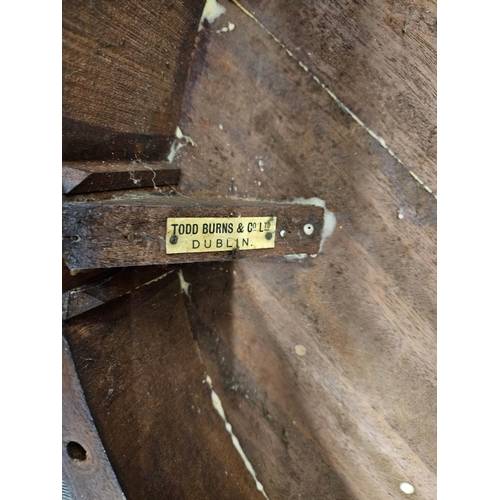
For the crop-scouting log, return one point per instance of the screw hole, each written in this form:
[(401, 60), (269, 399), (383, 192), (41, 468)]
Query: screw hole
[(76, 451), (75, 238)]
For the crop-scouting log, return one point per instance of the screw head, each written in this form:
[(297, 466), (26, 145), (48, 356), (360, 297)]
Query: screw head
[(309, 229), (174, 239), (268, 236)]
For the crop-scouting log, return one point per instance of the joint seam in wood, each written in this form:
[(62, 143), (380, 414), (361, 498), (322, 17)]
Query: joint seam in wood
[(217, 404), (379, 139)]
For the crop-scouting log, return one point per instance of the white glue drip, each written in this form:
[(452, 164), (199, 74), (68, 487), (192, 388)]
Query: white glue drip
[(217, 404), (329, 220), (152, 281), (211, 12), (407, 488), (295, 256), (184, 284), (180, 141), (225, 29)]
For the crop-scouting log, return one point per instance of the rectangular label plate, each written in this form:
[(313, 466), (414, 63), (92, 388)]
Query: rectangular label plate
[(219, 234)]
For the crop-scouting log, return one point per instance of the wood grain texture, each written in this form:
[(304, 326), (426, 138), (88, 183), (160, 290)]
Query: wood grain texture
[(131, 232), (356, 415), (74, 279), (124, 69), (379, 58), (91, 177), (111, 284), (87, 472), (144, 381)]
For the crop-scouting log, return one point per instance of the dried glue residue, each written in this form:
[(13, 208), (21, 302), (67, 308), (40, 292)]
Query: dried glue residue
[(329, 220), (329, 223), (184, 284), (217, 404), (379, 139), (407, 488), (152, 281), (295, 256), (180, 141), (225, 29), (211, 12), (300, 350)]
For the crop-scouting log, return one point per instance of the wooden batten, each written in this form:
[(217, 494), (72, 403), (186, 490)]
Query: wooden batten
[(87, 472), (90, 177), (133, 232)]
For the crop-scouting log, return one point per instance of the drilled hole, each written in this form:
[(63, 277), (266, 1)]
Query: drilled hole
[(76, 451)]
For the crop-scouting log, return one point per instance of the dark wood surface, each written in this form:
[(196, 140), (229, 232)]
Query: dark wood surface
[(378, 58), (128, 232), (108, 285), (145, 385), (90, 177), (124, 69), (360, 405), (87, 473), (325, 367), (74, 279)]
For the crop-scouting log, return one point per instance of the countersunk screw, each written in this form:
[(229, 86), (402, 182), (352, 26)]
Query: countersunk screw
[(174, 239), (268, 236)]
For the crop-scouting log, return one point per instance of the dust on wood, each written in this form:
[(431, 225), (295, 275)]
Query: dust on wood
[(131, 232), (354, 417), (91, 177), (124, 69), (145, 385), (113, 283), (87, 472), (379, 59), (359, 408)]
